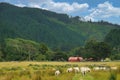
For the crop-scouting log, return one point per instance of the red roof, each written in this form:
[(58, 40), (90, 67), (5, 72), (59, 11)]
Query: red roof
[(75, 59)]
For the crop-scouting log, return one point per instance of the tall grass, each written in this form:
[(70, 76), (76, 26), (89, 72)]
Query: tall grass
[(113, 76), (36, 76), (38, 71)]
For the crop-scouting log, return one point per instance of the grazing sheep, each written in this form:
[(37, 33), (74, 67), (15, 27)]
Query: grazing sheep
[(76, 69), (84, 70), (57, 72), (69, 69), (113, 68), (96, 68), (105, 68), (88, 69)]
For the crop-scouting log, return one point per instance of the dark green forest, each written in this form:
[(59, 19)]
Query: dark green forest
[(36, 34), (26, 50), (113, 38)]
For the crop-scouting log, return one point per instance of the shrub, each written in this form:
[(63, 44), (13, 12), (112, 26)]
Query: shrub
[(107, 60)]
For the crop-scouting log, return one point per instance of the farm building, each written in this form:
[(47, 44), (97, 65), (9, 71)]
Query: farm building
[(75, 59)]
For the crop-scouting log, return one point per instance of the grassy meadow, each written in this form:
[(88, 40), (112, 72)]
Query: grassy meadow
[(46, 71)]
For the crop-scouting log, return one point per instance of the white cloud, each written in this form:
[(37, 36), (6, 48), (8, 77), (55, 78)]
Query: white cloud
[(39, 1), (105, 10), (89, 18), (34, 5), (20, 5), (65, 7), (60, 7)]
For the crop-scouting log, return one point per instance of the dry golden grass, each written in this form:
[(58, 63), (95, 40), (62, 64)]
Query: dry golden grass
[(44, 71), (25, 64)]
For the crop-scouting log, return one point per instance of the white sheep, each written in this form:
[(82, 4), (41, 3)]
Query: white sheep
[(100, 68), (57, 72), (88, 69), (69, 69), (84, 70), (76, 69), (104, 68), (96, 68), (113, 68)]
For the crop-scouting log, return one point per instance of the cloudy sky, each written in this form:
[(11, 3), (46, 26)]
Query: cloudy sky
[(108, 10)]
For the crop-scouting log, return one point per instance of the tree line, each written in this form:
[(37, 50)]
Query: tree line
[(113, 38), (19, 49)]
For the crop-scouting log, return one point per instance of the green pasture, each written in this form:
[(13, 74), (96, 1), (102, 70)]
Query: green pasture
[(45, 71)]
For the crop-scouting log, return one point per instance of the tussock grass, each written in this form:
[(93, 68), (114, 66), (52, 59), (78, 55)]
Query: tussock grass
[(46, 71)]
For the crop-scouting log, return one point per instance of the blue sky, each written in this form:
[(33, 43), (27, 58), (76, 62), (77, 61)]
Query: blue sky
[(96, 10)]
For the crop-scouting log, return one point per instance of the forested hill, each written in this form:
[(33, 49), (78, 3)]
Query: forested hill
[(49, 27), (113, 38)]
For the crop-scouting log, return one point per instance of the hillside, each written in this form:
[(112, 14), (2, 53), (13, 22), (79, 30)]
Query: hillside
[(49, 27), (113, 38)]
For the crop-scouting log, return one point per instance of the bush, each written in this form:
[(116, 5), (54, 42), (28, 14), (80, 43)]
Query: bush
[(107, 60)]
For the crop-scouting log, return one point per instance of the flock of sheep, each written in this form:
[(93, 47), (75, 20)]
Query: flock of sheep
[(84, 70)]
